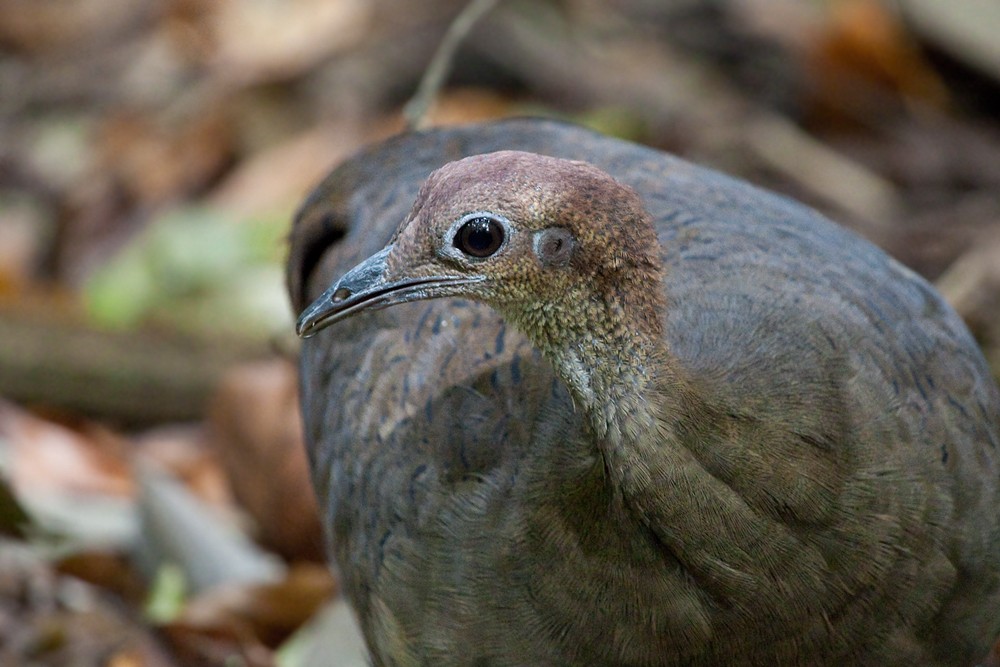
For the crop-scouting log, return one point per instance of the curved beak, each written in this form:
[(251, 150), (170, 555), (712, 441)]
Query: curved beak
[(365, 287)]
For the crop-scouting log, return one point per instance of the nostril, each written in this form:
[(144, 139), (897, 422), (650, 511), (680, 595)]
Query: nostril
[(341, 294)]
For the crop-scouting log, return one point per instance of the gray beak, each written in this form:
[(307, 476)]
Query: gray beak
[(365, 288)]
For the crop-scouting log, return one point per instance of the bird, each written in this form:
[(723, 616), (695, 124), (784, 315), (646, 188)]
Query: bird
[(569, 400)]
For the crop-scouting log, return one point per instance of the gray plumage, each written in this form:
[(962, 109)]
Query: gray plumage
[(820, 478)]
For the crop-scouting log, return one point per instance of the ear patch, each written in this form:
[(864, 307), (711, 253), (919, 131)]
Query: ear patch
[(554, 246)]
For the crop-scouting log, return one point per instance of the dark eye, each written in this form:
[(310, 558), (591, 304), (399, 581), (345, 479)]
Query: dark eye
[(480, 237)]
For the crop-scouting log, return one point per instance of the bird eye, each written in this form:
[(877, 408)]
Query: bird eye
[(480, 237)]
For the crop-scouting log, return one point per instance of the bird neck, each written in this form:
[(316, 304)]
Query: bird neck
[(616, 363), (669, 453), (610, 377)]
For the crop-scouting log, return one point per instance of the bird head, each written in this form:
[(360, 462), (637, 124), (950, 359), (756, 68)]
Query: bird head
[(559, 247)]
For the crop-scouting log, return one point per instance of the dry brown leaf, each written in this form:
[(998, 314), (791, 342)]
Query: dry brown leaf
[(270, 612), (278, 177), (863, 51), (126, 658), (183, 452), (47, 457), (197, 646), (108, 570), (470, 105), (259, 40), (255, 427)]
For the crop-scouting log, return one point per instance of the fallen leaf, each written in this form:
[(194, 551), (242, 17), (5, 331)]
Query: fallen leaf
[(209, 647), (208, 546), (49, 619), (259, 40), (182, 450), (275, 179), (864, 56), (271, 612), (48, 458), (255, 427), (109, 570)]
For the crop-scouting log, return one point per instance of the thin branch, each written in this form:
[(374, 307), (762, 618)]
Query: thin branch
[(415, 111)]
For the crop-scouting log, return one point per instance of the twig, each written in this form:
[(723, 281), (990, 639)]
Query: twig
[(54, 360), (415, 111)]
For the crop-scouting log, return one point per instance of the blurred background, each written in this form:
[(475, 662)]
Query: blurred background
[(154, 502)]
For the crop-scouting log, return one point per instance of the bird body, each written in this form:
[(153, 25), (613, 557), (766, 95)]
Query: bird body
[(696, 423)]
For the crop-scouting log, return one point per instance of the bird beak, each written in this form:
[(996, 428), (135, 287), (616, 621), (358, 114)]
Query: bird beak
[(365, 287)]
